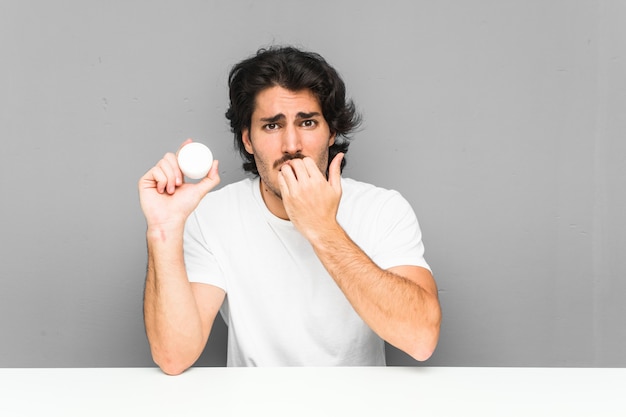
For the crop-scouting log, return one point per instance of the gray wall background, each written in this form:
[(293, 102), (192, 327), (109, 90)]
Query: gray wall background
[(502, 122)]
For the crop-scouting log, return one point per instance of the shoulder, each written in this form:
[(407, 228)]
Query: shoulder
[(238, 190), (222, 212), (226, 202), (358, 193), (382, 223), (367, 204)]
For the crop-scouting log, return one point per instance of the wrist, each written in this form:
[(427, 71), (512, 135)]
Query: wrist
[(164, 232), (326, 234)]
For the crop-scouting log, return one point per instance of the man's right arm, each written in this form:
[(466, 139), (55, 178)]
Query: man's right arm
[(178, 315)]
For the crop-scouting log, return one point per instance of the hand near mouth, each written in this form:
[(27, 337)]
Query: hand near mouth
[(311, 201)]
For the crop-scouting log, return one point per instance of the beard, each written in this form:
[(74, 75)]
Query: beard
[(265, 169), (262, 167), (287, 157)]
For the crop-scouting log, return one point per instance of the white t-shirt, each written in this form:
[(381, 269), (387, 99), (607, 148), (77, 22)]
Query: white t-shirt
[(282, 307)]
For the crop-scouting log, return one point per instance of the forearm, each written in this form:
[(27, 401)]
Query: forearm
[(397, 308), (171, 316)]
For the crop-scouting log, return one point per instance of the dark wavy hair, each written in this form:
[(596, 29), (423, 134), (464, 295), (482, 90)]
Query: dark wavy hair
[(294, 70)]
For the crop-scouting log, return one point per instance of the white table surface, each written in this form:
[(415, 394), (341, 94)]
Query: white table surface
[(363, 391)]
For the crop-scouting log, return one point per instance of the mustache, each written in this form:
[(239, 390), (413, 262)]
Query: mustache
[(286, 158)]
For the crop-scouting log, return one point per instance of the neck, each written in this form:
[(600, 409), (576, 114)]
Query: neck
[(273, 201)]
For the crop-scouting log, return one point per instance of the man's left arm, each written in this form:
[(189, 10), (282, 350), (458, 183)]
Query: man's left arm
[(400, 303)]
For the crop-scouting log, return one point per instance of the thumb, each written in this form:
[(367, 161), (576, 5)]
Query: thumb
[(334, 171), (211, 180)]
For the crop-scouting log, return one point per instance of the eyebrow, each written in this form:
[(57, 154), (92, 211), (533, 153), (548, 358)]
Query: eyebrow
[(303, 115), (272, 119), (280, 116)]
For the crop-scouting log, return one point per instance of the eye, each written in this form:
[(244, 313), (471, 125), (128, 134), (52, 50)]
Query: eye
[(270, 126), (309, 123)]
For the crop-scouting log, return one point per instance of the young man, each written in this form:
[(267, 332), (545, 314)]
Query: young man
[(306, 267)]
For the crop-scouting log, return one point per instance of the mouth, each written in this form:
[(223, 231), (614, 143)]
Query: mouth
[(282, 161)]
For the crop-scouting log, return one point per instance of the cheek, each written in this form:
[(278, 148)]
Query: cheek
[(263, 159)]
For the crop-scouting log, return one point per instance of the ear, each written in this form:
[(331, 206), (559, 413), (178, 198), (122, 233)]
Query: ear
[(331, 140), (245, 137)]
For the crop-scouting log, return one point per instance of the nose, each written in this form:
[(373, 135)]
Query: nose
[(291, 140)]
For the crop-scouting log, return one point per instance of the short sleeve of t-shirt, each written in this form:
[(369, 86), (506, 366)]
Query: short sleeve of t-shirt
[(399, 235), (383, 224)]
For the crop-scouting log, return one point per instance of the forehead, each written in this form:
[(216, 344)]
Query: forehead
[(276, 100)]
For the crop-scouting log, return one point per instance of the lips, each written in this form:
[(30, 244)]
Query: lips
[(286, 159)]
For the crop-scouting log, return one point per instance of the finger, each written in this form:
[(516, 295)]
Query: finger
[(311, 168), (334, 170), (168, 168), (176, 172), (214, 172), (159, 178), (299, 168), (211, 180), (288, 175), (186, 142), (282, 184)]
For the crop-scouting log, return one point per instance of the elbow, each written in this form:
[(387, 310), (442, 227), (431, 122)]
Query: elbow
[(173, 371), (422, 353), (172, 367), (175, 358), (424, 343), (171, 364), (421, 345)]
